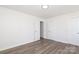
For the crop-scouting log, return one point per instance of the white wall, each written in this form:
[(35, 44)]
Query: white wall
[(64, 28), (17, 28)]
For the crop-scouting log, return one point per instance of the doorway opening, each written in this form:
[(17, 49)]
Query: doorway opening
[(41, 29)]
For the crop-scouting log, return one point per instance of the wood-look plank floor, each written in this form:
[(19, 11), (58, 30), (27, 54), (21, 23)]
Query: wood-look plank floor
[(43, 46)]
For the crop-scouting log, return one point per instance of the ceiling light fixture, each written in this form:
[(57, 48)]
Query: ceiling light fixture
[(44, 6)]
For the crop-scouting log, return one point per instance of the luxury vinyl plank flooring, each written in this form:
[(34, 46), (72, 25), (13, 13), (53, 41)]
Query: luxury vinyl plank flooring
[(43, 46)]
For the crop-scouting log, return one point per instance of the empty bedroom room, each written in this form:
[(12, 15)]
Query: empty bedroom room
[(39, 29)]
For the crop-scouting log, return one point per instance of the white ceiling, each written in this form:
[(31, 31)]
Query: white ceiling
[(36, 10)]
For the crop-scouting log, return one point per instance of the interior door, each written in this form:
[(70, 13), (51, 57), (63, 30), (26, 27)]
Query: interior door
[(36, 30), (75, 29), (41, 29)]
